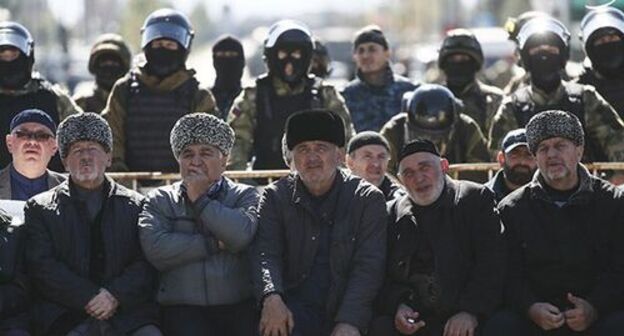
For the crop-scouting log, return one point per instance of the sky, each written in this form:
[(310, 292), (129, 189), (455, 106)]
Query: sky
[(70, 11)]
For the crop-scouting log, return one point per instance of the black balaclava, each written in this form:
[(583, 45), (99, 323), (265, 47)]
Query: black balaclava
[(229, 69), (16, 73), (460, 74), (107, 74), (162, 62), (607, 58), (300, 66)]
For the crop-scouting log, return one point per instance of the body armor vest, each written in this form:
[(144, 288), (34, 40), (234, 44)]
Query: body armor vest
[(272, 112), (149, 120), (571, 102)]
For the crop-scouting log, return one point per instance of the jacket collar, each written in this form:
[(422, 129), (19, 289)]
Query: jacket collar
[(5, 181), (388, 78), (166, 84), (540, 97), (299, 192), (582, 194), (112, 189), (446, 199), (180, 191)]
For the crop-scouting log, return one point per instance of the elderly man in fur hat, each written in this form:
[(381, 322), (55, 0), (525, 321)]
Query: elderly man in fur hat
[(318, 258), (89, 274), (566, 261), (196, 232)]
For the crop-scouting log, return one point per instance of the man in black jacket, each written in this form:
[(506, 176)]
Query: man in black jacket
[(13, 283), (445, 251), (88, 271), (318, 257), (566, 257), (517, 165)]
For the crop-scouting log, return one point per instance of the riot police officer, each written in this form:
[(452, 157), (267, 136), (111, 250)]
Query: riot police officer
[(146, 103), (545, 50), (460, 59), (109, 60), (602, 33), (433, 113), (21, 88), (259, 113)]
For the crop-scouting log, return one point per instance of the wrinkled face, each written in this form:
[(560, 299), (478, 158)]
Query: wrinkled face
[(422, 174), (519, 165), (86, 162), (202, 159), (316, 162), (371, 57), (31, 143), (165, 44), (369, 162), (557, 159)]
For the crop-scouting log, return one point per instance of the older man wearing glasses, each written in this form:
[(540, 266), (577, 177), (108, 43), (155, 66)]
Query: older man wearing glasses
[(32, 144)]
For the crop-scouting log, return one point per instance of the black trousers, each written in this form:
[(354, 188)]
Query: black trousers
[(512, 324), (235, 320)]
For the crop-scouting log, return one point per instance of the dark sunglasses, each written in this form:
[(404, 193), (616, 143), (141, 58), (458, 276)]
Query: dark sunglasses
[(37, 136)]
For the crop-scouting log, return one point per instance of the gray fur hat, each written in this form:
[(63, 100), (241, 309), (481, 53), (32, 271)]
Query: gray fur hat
[(201, 128), (551, 124), (86, 126)]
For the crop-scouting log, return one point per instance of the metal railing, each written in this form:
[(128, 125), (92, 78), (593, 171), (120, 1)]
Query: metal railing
[(132, 179)]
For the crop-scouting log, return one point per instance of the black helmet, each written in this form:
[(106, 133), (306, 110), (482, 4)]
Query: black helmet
[(601, 17), (513, 25), (290, 35), (544, 30), (170, 24), (460, 41), (110, 43), (16, 35), (431, 107)]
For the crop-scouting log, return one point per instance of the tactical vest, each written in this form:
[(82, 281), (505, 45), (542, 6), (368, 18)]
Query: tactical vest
[(44, 99), (571, 102), (271, 113), (612, 90), (149, 120)]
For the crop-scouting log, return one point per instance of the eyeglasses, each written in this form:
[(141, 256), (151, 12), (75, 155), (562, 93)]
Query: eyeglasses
[(37, 136)]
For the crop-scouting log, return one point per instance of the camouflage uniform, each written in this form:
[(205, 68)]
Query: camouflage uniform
[(92, 100), (372, 106), (116, 110), (604, 130), (611, 89), (481, 103), (243, 117), (464, 143), (37, 93)]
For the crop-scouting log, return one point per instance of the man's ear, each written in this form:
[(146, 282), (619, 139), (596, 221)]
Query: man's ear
[(500, 157), (444, 164), (9, 143)]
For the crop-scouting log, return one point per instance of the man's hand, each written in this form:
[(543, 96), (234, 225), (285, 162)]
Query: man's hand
[(546, 316), (461, 324), (197, 184), (406, 320), (276, 319), (581, 316), (345, 329), (102, 306)]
